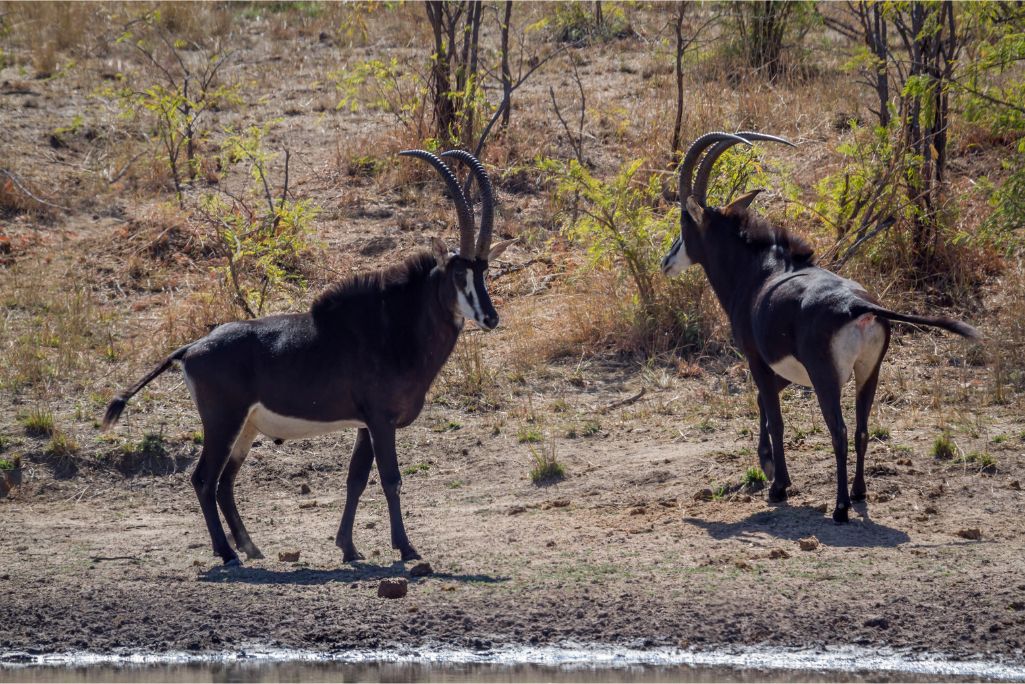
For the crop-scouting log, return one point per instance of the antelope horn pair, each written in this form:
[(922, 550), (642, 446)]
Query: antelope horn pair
[(719, 143), (463, 208)]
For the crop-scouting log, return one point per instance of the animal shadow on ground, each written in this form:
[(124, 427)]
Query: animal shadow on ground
[(796, 522), (61, 467), (150, 463), (309, 577)]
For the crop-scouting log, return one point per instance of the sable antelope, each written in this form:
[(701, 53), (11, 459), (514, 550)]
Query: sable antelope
[(364, 356), (794, 321)]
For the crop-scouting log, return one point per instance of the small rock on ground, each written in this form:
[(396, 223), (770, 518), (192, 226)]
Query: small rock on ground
[(973, 533), (705, 494), (422, 569), (289, 556), (393, 588), (808, 543), (878, 622)]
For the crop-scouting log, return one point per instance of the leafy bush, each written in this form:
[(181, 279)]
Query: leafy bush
[(943, 448), (626, 230), (182, 86), (1008, 201), (262, 246), (571, 22)]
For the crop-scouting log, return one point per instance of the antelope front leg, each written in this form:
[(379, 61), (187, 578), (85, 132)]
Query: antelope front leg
[(359, 472), (383, 437)]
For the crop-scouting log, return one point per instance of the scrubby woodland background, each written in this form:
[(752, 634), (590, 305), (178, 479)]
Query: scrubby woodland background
[(588, 470), (167, 167)]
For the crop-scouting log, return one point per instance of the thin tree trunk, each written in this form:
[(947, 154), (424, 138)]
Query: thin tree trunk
[(681, 11), (506, 71)]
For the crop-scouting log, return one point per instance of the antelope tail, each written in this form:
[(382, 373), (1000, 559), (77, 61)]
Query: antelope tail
[(117, 404), (949, 324)]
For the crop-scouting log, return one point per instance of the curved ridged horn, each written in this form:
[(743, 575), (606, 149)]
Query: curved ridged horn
[(691, 158), (487, 192), (462, 207), (705, 169)]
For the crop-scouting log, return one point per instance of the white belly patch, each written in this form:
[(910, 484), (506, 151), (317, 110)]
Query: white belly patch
[(790, 368), (277, 426)]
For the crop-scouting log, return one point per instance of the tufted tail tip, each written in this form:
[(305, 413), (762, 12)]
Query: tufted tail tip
[(114, 410)]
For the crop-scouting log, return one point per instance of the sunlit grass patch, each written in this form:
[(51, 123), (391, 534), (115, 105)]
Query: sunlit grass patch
[(38, 422), (545, 467)]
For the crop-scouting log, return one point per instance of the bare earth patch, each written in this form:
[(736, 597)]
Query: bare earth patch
[(619, 552)]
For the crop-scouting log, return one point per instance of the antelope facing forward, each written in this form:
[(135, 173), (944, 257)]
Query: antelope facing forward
[(793, 321), (364, 356)]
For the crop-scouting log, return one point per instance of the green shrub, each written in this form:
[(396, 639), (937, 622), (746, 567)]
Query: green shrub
[(262, 236), (753, 477), (38, 422), (943, 448), (544, 465), (982, 460), (529, 435), (626, 230), (416, 468), (61, 445)]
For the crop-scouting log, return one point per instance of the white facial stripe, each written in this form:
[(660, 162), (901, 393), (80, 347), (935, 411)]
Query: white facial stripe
[(677, 261), (469, 302)]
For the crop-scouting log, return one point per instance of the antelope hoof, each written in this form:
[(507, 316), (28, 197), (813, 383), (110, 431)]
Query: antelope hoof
[(253, 553), (351, 555), (233, 563), (840, 514), (409, 553), (777, 494)]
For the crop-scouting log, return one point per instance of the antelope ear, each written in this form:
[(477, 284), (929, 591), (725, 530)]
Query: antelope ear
[(497, 250), (440, 250), (742, 202), (696, 211)]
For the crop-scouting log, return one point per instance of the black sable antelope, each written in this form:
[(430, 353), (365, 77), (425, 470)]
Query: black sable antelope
[(794, 322), (364, 356)]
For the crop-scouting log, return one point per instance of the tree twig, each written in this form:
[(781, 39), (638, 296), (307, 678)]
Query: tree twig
[(625, 402), (18, 184)]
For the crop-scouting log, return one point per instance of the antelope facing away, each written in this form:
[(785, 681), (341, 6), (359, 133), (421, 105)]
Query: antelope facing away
[(793, 321), (364, 356)]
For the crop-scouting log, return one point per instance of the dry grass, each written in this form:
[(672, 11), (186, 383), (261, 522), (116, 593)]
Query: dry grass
[(44, 33), (53, 335), (154, 285)]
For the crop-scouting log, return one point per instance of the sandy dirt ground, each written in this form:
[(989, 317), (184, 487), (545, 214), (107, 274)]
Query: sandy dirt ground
[(622, 551)]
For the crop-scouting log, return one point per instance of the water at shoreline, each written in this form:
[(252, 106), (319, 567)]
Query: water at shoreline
[(567, 664)]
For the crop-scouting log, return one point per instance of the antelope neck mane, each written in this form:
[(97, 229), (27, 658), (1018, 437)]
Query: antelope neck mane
[(763, 234), (367, 287)]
